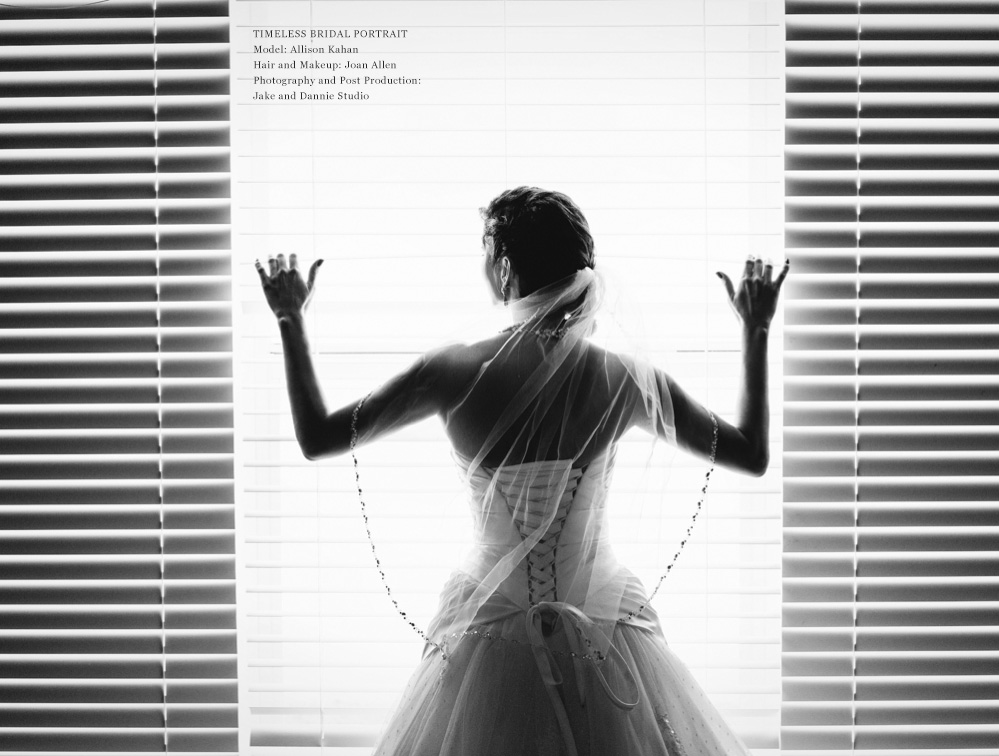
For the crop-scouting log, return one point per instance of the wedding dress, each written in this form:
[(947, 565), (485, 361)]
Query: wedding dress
[(543, 643), (510, 684)]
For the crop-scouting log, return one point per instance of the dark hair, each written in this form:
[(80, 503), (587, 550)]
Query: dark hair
[(543, 233)]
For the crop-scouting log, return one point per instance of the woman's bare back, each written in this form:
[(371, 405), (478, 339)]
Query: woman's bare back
[(584, 407)]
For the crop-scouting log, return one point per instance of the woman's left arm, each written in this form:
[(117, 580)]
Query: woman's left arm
[(745, 445), (417, 393)]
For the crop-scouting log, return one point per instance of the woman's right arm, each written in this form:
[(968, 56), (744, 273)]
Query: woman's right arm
[(288, 296), (423, 389)]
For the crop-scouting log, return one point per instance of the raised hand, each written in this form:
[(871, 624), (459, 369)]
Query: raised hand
[(755, 301), (286, 292)]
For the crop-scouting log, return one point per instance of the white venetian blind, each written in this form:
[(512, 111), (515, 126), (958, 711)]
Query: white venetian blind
[(663, 121), (117, 624), (891, 600)]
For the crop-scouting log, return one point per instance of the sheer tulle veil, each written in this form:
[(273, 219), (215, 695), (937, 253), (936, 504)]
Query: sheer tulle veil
[(555, 397)]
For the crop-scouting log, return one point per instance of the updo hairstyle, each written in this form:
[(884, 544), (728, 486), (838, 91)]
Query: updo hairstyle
[(543, 233)]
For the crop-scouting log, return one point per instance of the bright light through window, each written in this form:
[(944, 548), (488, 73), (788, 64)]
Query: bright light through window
[(663, 121)]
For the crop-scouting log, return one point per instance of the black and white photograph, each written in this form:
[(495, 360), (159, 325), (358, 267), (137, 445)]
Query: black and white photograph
[(499, 377)]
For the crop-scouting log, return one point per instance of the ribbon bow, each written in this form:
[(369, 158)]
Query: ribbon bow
[(576, 625)]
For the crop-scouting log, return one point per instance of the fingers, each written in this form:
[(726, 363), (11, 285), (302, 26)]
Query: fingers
[(279, 263), (312, 273), (728, 284), (757, 268), (757, 271), (264, 278), (782, 275)]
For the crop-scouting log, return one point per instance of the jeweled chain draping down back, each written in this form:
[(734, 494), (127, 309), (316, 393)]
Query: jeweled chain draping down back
[(594, 654)]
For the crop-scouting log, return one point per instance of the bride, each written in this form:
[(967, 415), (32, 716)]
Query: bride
[(543, 643)]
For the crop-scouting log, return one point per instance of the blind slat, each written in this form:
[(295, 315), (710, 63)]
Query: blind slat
[(931, 7), (888, 515), (32, 341), (121, 441), (119, 161), (113, 186), (127, 83), (73, 109), (179, 391), (86, 30), (896, 614), (116, 617), (921, 389), (112, 57), (40, 137), (178, 289), (910, 131), (104, 740), (931, 564), (962, 27), (892, 639), (104, 642), (76, 567), (96, 366), (915, 53), (121, 9), (55, 692), (893, 79), (26, 416), (980, 488)]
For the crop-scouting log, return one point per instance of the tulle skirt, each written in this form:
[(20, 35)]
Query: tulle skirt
[(488, 698)]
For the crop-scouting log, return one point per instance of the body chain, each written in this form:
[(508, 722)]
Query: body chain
[(594, 654)]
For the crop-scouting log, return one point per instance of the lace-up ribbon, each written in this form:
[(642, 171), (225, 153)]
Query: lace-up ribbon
[(575, 626), (542, 575)]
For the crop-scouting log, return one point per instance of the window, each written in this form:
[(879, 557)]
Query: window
[(891, 392), (117, 624), (663, 121)]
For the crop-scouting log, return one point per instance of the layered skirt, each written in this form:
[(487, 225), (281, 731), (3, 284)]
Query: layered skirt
[(503, 691)]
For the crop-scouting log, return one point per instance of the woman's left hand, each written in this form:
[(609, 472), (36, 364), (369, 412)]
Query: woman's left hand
[(286, 292), (755, 300)]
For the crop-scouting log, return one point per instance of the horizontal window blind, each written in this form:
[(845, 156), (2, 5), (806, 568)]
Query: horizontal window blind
[(890, 641), (663, 121), (117, 595)]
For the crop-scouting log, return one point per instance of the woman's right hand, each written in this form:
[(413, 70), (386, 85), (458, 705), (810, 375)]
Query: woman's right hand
[(755, 301), (287, 294)]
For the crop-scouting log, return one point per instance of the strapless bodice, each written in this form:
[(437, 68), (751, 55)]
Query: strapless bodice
[(552, 512), (541, 548)]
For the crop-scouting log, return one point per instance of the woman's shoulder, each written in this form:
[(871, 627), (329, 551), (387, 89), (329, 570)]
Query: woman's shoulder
[(454, 364), (460, 356)]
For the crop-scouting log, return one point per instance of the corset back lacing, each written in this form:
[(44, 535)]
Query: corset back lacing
[(542, 575), (547, 612)]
